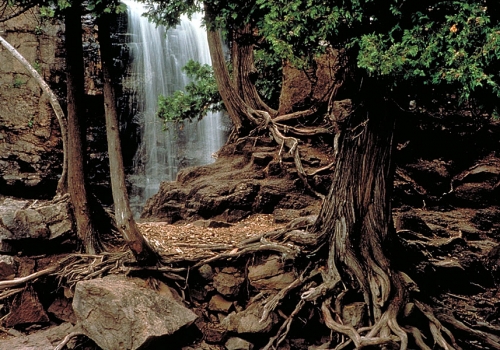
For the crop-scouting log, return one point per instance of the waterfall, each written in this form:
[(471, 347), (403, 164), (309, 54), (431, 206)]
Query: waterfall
[(157, 56)]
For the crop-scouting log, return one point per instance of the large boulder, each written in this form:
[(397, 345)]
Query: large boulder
[(117, 313), (23, 222)]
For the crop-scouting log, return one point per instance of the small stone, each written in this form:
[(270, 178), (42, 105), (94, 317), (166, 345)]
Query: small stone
[(26, 309), (8, 267), (238, 344), (213, 333), (249, 320), (218, 303), (228, 282), (206, 272), (62, 309), (270, 275)]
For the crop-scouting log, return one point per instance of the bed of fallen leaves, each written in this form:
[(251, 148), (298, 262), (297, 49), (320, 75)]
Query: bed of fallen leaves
[(196, 239)]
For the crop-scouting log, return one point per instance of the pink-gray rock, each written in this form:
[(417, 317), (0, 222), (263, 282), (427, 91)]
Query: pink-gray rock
[(228, 281), (249, 320), (270, 275), (238, 344), (218, 303), (118, 314)]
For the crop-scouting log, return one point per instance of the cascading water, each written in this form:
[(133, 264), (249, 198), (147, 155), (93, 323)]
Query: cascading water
[(157, 58)]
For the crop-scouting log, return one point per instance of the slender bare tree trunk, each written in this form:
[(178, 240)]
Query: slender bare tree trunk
[(123, 215), (76, 168), (54, 102)]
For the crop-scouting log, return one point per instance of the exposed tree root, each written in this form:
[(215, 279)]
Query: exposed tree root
[(66, 340), (487, 338), (22, 280), (79, 267), (284, 329)]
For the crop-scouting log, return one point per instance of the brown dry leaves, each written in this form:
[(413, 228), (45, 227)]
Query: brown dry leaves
[(191, 240)]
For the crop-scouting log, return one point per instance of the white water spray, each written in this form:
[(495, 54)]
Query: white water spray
[(157, 58)]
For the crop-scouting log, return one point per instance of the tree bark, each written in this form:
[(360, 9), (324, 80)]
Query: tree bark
[(355, 219), (54, 102), (243, 65), (75, 93), (123, 215), (234, 104)]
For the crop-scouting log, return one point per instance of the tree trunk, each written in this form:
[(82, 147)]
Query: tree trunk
[(234, 104), (54, 102), (243, 65), (355, 219), (75, 92), (124, 218)]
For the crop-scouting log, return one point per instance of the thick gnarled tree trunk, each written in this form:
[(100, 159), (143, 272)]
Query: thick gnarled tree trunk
[(355, 219)]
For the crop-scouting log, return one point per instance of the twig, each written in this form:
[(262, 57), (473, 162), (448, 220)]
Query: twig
[(21, 280), (66, 340), (9, 293)]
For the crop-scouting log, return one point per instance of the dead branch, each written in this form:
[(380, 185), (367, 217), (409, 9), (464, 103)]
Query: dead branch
[(303, 131), (289, 251), (325, 168), (295, 115), (8, 293), (436, 327), (21, 280)]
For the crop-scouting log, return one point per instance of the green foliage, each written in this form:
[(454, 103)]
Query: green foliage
[(18, 82), (268, 83), (453, 43), (31, 122), (168, 13), (47, 12), (450, 44), (37, 67), (200, 96)]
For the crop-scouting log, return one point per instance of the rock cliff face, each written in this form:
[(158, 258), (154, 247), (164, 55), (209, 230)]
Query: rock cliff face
[(30, 146)]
